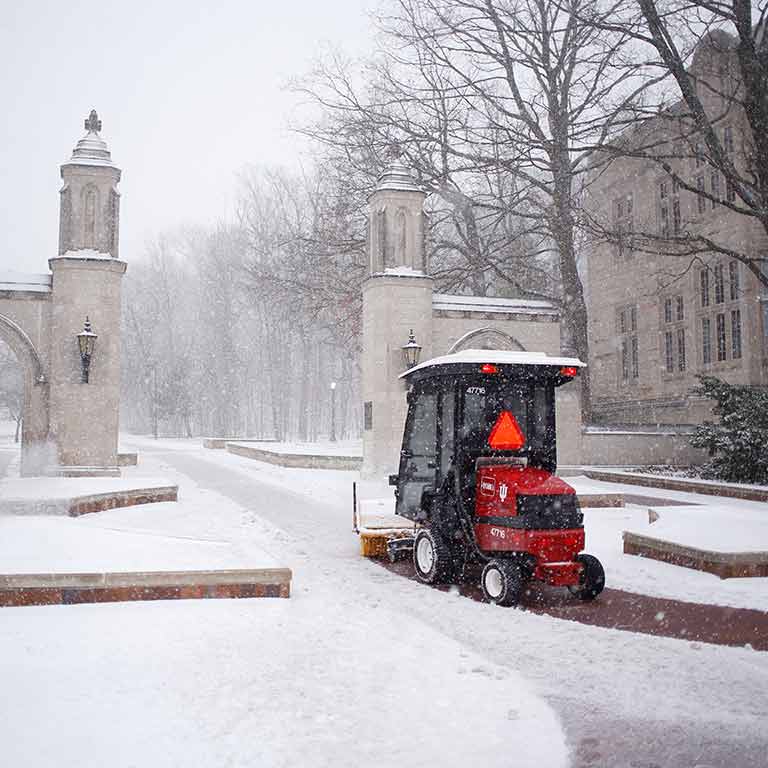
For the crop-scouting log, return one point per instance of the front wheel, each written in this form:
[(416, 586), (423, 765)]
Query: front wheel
[(502, 582), (592, 578), (432, 557)]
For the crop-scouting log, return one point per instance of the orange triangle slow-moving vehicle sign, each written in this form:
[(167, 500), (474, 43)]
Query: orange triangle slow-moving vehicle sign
[(506, 434)]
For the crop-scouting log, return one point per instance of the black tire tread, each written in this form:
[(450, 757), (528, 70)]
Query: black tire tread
[(594, 577), (513, 578), (442, 568)]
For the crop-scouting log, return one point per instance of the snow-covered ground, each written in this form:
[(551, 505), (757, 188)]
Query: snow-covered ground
[(258, 683), (321, 679), (651, 577), (604, 527), (721, 525), (149, 537), (360, 667)]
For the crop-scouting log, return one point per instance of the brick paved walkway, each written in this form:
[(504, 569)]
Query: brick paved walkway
[(616, 609)]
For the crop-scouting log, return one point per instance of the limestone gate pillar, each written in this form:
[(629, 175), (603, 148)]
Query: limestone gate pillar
[(86, 282), (397, 298)]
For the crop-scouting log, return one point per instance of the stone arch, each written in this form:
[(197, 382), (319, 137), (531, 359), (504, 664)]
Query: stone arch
[(487, 338), (35, 415), (17, 339)]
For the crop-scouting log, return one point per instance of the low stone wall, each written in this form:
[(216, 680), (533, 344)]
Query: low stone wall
[(726, 565), (75, 588), (295, 460), (220, 443), (729, 490), (600, 500), (617, 445), (85, 505), (637, 448)]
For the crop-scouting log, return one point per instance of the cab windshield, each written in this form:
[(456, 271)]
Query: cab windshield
[(531, 403)]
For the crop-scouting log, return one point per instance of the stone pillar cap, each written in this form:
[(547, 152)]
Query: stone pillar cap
[(92, 149), (397, 177)]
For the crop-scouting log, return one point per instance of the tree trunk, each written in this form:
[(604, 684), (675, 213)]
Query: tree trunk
[(306, 362), (573, 302)]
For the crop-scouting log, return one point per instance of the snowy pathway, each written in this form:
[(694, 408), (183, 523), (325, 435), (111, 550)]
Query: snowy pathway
[(361, 667), (327, 678), (625, 699)]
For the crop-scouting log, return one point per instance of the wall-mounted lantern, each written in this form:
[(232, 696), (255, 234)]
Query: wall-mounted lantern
[(86, 341), (411, 351)]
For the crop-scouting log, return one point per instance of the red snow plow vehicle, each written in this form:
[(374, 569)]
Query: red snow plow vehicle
[(476, 476)]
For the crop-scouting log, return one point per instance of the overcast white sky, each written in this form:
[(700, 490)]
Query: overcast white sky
[(188, 94)]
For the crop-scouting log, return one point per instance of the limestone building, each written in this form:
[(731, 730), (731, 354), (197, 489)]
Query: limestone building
[(656, 321)]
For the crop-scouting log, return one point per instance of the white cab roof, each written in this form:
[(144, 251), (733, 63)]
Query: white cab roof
[(497, 356)]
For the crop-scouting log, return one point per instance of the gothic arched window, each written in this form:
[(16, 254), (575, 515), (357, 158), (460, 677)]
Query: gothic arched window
[(401, 230), (113, 217), (90, 204), (380, 248)]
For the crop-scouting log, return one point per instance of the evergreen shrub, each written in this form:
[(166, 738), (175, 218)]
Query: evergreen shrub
[(738, 444)]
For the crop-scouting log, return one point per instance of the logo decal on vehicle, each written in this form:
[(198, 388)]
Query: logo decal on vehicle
[(487, 486), (503, 491)]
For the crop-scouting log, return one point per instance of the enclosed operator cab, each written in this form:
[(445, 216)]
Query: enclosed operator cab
[(454, 404), (476, 471)]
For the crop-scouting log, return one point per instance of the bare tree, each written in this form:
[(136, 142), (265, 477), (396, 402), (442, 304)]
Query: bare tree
[(304, 266), (527, 89), (477, 241)]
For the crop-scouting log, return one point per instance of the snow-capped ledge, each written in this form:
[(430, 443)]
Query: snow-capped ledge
[(402, 272), (452, 303), (87, 253), (25, 282)]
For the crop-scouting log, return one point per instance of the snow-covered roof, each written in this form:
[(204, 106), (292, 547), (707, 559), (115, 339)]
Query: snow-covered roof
[(498, 357), (23, 281), (449, 302)]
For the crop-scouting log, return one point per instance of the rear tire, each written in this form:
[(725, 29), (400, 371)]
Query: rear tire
[(432, 557), (593, 579), (502, 582)]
